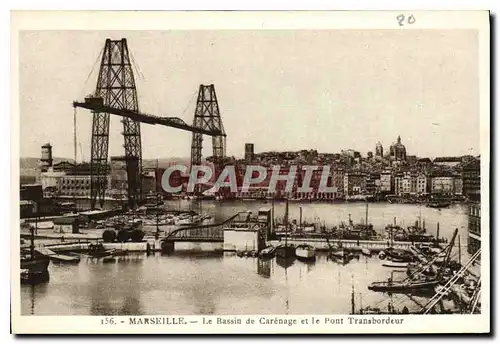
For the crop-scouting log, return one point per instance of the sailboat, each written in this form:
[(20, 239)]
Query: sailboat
[(285, 251), (34, 266)]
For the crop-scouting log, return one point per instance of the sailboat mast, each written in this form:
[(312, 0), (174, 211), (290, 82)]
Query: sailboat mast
[(286, 222), (300, 218), (272, 215), (32, 239), (353, 308), (74, 135), (420, 216), (74, 149), (366, 215), (459, 251)]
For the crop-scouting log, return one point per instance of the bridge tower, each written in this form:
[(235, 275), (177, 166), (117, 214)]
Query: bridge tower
[(207, 116), (116, 86)]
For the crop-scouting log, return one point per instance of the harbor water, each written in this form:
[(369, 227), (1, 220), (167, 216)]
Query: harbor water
[(228, 284)]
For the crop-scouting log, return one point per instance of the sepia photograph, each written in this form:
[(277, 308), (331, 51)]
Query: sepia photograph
[(251, 175)]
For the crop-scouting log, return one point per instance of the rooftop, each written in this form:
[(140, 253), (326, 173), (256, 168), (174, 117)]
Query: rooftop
[(448, 159)]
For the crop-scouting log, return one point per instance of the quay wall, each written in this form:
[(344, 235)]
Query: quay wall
[(180, 246), (321, 244), (127, 246), (155, 245)]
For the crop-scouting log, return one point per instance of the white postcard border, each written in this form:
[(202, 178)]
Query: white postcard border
[(270, 20)]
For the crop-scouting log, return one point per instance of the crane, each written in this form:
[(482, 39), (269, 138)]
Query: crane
[(96, 104), (116, 94)]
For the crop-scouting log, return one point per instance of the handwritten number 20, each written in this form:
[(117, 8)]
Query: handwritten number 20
[(402, 19)]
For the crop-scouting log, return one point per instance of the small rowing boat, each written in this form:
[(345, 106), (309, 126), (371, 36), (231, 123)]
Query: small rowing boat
[(305, 252)]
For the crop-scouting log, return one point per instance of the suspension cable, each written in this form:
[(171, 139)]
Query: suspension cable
[(189, 103), (99, 56)]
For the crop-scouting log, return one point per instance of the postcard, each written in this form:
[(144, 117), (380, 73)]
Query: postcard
[(250, 172)]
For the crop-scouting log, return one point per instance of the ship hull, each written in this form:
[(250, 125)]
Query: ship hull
[(285, 252), (34, 271), (402, 287)]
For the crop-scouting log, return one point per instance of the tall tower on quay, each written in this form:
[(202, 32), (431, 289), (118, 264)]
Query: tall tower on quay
[(116, 86), (207, 116), (46, 160)]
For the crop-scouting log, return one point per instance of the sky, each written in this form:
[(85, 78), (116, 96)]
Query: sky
[(328, 90)]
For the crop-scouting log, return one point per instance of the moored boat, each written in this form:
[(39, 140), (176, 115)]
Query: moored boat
[(305, 252), (285, 251), (403, 286), (34, 270), (34, 265), (396, 254), (98, 251), (395, 265), (438, 204), (268, 252), (366, 252)]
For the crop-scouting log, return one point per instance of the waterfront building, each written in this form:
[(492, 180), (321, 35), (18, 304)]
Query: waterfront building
[(338, 182), (458, 185), (422, 184), (442, 184), (379, 150), (372, 183), (402, 184), (51, 180), (397, 151), (386, 182), (471, 180), (413, 183), (78, 185), (354, 183), (474, 228)]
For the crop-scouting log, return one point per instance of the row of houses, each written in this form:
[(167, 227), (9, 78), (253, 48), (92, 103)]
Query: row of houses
[(347, 183)]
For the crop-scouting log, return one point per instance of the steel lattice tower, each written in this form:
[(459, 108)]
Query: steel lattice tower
[(116, 86), (207, 116)]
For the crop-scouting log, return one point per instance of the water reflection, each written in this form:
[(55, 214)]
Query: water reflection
[(285, 262), (32, 294), (264, 267), (112, 292), (226, 284)]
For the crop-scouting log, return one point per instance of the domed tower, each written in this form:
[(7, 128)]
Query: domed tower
[(398, 151), (379, 150)]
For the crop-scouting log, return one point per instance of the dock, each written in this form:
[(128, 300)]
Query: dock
[(56, 257), (321, 244)]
